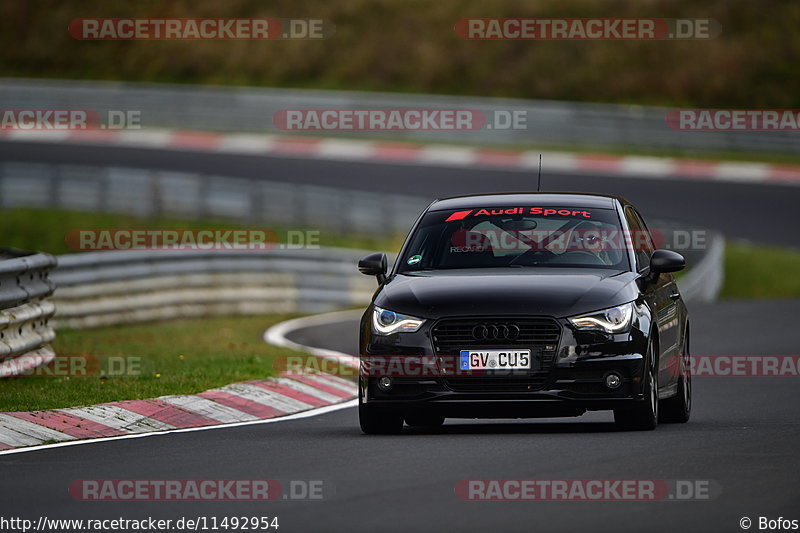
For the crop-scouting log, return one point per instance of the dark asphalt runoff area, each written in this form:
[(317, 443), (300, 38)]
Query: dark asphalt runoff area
[(752, 211), (743, 438)]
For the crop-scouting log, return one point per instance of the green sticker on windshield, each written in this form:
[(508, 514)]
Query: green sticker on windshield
[(414, 259)]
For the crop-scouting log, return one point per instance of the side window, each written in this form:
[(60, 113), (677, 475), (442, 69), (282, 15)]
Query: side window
[(639, 238)]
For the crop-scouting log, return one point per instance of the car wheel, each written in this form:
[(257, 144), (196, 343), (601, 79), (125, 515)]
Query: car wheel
[(678, 409), (379, 420), (423, 420), (644, 416)]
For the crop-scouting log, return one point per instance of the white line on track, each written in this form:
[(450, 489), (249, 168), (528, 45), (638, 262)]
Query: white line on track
[(276, 335)]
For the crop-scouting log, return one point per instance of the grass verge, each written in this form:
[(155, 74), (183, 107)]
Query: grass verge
[(758, 271), (45, 230), (176, 357)]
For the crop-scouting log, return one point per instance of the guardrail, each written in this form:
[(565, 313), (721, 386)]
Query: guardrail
[(25, 328), (105, 288), (549, 123), (703, 281), (146, 193)]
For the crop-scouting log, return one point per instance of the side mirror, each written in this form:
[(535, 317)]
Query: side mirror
[(666, 261), (374, 265)]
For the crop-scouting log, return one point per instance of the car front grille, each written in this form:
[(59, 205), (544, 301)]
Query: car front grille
[(541, 335)]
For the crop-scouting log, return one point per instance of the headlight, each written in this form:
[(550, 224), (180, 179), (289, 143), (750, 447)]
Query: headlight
[(385, 322), (612, 320)]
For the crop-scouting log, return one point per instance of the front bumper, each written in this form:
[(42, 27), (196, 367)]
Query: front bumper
[(569, 391), (570, 381)]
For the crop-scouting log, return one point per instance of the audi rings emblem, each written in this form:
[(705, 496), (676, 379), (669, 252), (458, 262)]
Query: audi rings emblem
[(495, 332)]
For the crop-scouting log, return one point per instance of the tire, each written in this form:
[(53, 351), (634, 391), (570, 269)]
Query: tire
[(678, 409), (644, 416), (379, 420), (423, 420)]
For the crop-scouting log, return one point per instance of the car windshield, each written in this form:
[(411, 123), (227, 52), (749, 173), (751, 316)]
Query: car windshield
[(529, 236)]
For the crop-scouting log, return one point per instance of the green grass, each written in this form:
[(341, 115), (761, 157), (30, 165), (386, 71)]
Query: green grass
[(45, 230), (758, 271), (175, 357)]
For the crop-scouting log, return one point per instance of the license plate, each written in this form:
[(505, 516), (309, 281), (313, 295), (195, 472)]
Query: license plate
[(495, 359)]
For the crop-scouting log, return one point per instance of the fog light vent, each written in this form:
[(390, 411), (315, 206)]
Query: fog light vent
[(613, 380), (385, 384)]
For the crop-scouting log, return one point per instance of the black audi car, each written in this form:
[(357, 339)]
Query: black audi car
[(525, 305)]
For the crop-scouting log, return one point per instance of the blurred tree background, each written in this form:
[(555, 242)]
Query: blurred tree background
[(410, 46)]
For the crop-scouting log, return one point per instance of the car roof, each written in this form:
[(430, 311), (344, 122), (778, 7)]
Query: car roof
[(507, 199)]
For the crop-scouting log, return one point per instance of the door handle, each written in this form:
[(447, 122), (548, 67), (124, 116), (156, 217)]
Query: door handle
[(675, 296)]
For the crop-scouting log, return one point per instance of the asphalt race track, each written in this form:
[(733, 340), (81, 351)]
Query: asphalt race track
[(743, 436), (758, 212)]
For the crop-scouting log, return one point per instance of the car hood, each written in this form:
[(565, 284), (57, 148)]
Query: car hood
[(530, 291)]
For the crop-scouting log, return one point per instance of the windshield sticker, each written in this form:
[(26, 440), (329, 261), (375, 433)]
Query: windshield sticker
[(560, 212), (459, 215), (414, 259), (540, 211)]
